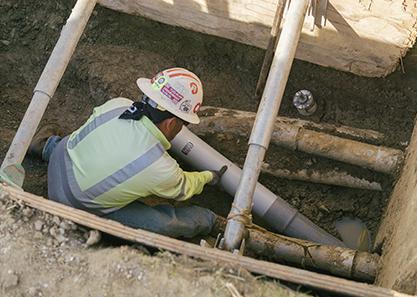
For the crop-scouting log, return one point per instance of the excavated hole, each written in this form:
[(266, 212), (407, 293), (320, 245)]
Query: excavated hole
[(117, 48)]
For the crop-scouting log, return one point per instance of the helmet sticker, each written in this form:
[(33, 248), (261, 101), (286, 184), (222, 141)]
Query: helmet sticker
[(159, 81), (171, 93), (197, 107), (194, 88), (186, 106)]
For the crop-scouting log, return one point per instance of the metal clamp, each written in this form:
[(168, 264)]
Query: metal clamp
[(219, 244)]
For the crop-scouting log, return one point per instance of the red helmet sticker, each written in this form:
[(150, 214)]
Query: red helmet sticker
[(159, 74), (194, 88), (197, 107)]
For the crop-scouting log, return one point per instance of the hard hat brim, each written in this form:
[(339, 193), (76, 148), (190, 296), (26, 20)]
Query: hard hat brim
[(145, 86)]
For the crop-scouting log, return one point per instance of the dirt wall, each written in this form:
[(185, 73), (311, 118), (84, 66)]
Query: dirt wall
[(398, 231)]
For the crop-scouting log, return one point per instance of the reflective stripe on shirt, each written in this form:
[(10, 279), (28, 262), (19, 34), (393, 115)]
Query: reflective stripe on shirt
[(86, 198), (94, 124)]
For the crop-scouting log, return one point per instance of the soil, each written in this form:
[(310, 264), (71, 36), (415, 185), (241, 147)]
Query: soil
[(42, 255), (117, 48)]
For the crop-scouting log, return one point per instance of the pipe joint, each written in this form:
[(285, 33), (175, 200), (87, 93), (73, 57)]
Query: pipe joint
[(42, 92)]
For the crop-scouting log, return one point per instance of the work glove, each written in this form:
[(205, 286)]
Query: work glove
[(217, 175)]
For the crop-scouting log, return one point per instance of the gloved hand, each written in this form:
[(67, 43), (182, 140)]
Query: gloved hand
[(217, 175)]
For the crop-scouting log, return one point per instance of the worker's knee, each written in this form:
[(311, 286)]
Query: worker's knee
[(190, 221), (204, 215)]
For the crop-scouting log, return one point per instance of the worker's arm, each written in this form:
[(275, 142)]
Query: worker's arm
[(172, 182)]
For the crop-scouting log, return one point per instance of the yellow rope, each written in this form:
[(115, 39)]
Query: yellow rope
[(241, 215)]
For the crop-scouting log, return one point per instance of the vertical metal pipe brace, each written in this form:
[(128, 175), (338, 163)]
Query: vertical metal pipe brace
[(264, 122), (49, 80)]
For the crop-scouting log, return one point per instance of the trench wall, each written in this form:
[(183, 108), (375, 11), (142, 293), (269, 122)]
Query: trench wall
[(398, 231), (365, 37)]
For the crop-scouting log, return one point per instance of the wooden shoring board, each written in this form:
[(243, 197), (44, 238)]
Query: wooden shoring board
[(365, 37), (282, 272)]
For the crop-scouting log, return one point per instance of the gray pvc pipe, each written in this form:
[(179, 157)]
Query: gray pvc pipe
[(273, 209)]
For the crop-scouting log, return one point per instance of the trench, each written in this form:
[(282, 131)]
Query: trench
[(117, 48)]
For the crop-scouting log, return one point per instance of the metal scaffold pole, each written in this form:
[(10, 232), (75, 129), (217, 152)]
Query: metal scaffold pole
[(239, 214), (11, 169)]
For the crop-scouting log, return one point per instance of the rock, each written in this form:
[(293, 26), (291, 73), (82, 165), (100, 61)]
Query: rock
[(34, 292), (69, 259), (38, 225), (10, 280), (140, 276), (49, 242), (323, 208), (53, 231), (27, 212), (58, 234), (38, 235), (61, 238), (73, 225), (66, 225), (56, 220), (94, 237), (5, 42), (4, 196)]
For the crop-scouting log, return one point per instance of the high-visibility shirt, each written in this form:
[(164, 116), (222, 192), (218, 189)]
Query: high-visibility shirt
[(111, 162)]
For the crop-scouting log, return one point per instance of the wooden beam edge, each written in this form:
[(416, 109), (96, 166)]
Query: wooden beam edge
[(282, 272)]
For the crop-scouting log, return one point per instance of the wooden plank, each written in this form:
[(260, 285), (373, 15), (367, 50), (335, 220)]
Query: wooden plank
[(270, 50), (307, 278), (363, 37)]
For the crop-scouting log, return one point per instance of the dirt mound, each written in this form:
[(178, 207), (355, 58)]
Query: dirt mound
[(42, 255)]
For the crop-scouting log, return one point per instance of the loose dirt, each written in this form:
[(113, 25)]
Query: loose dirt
[(42, 255), (114, 51)]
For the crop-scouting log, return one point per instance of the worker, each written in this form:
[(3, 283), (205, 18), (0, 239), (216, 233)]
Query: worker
[(119, 157)]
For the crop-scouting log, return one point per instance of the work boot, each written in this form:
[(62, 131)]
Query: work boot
[(219, 226), (37, 145)]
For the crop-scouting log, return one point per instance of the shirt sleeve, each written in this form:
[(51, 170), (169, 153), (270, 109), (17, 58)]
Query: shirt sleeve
[(174, 183)]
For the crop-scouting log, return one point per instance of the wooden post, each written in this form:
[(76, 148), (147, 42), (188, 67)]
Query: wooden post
[(270, 49)]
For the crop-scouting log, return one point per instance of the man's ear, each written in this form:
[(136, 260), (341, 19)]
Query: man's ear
[(171, 122)]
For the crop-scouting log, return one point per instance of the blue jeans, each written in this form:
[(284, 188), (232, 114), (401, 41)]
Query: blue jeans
[(164, 219), (49, 147)]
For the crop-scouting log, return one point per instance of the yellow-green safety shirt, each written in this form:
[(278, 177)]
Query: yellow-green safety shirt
[(112, 162)]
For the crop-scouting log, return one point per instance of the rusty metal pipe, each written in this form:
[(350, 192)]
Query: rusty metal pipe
[(297, 136), (335, 260), (378, 158)]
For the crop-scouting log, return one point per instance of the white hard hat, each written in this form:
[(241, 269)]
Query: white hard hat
[(176, 90)]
